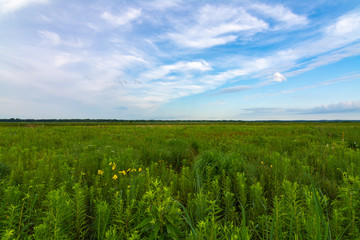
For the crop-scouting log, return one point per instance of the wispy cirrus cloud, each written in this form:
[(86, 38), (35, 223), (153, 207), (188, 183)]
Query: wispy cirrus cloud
[(216, 25), (9, 6), (284, 17), (123, 18), (166, 71), (52, 38), (321, 84), (337, 41)]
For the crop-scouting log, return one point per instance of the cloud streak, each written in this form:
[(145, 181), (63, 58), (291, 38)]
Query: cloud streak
[(334, 108), (217, 25), (321, 84), (53, 38), (123, 18), (9, 6)]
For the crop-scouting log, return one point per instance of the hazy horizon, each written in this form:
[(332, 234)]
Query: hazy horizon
[(180, 60)]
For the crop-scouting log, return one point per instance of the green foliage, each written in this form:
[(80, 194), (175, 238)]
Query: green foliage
[(57, 220), (180, 181), (79, 212), (162, 215)]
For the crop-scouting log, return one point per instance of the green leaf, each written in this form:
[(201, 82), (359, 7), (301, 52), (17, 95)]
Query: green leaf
[(143, 223)]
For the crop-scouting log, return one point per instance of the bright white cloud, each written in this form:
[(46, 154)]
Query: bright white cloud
[(280, 13), (179, 68), (347, 25), (122, 19), (8, 6), (278, 77), (217, 25)]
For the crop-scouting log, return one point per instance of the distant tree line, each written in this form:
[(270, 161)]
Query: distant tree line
[(19, 120)]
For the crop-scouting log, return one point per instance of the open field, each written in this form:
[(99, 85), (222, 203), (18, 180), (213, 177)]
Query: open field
[(180, 181)]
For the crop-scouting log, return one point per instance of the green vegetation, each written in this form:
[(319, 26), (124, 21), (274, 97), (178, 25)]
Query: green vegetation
[(180, 181)]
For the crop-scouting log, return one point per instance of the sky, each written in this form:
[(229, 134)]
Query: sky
[(180, 59)]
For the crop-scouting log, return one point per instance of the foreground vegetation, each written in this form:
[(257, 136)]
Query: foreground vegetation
[(180, 181)]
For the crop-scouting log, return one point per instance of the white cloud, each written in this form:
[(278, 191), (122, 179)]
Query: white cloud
[(179, 67), (66, 58), (347, 25), (8, 6), (350, 106), (343, 110), (332, 57), (278, 77), (54, 39), (293, 90), (331, 46), (283, 15), (163, 4), (123, 19), (344, 31), (217, 25), (50, 37)]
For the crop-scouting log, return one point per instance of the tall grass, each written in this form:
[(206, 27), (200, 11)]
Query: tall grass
[(192, 181)]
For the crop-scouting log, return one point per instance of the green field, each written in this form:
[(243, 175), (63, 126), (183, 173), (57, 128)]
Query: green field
[(180, 181)]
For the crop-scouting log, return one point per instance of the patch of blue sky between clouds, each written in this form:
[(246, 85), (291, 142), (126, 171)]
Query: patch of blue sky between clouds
[(149, 59)]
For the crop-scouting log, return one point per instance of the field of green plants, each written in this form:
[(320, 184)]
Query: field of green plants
[(180, 181)]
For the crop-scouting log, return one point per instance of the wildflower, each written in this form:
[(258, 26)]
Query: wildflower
[(262, 162), (128, 170), (139, 169), (100, 172), (115, 177), (113, 167), (122, 172), (133, 170), (110, 163), (128, 186), (271, 166)]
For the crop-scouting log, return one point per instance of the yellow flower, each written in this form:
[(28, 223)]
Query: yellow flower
[(139, 169), (133, 170), (129, 170), (128, 186), (113, 167), (271, 166), (100, 172), (110, 163), (115, 177), (262, 162), (122, 172)]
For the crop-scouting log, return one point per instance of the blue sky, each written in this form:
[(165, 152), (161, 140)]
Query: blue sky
[(173, 59)]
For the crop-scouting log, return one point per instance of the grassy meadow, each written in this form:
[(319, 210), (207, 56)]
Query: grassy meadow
[(180, 181)]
